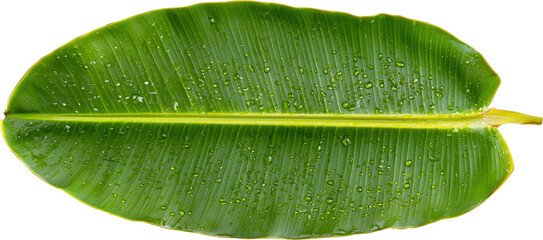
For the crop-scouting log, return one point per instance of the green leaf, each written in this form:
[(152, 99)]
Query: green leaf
[(259, 120)]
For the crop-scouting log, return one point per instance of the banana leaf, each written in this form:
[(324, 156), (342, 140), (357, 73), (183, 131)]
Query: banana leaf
[(250, 120)]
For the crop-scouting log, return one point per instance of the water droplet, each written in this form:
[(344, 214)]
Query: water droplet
[(347, 106), (212, 20), (346, 142), (301, 70), (182, 213), (406, 186), (307, 198), (330, 182), (368, 85), (226, 82), (359, 189), (408, 163), (285, 104), (267, 69), (334, 52), (137, 98)]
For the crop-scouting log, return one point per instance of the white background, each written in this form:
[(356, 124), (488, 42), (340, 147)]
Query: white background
[(508, 34)]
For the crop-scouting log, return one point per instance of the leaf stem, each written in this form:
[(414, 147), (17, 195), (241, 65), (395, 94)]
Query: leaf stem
[(492, 117), (497, 117)]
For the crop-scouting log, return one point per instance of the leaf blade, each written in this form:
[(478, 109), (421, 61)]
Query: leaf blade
[(193, 37), (385, 190)]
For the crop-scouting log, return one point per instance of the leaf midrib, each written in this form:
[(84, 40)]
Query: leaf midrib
[(492, 117)]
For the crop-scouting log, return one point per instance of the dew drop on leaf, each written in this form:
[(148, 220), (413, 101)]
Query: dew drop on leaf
[(346, 142)]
